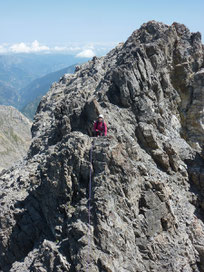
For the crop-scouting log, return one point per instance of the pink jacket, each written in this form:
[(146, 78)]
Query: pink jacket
[(100, 127)]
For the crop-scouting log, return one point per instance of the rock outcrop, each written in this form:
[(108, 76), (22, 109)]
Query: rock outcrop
[(147, 175), (15, 136)]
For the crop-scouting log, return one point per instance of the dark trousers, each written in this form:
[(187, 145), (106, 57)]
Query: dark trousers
[(98, 133)]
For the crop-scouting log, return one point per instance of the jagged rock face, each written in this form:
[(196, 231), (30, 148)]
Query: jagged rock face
[(15, 136), (147, 175)]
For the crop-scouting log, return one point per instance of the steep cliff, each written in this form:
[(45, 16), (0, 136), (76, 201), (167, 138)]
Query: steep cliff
[(15, 136), (147, 175)]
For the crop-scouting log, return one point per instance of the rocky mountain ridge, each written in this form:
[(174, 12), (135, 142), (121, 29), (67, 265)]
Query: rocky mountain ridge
[(147, 175)]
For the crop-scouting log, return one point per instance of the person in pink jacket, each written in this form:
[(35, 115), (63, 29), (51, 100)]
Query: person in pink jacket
[(100, 127)]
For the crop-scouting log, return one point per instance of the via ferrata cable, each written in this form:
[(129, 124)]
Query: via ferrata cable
[(89, 206)]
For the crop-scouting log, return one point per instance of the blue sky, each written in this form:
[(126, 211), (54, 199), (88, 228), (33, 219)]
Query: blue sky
[(86, 24)]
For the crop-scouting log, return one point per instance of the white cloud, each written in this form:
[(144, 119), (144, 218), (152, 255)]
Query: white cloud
[(20, 48), (24, 48), (74, 48), (81, 50), (59, 48), (66, 48), (3, 49), (36, 47), (87, 53)]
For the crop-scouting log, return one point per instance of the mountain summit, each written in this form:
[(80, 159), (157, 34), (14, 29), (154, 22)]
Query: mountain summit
[(147, 175)]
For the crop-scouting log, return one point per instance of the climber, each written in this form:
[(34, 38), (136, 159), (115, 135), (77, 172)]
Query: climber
[(100, 127)]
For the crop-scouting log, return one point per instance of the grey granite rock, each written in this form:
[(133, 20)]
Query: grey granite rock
[(147, 175)]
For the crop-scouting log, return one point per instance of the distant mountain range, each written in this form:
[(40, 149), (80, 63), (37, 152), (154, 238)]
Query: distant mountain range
[(33, 92), (25, 78), (8, 94), (21, 69)]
